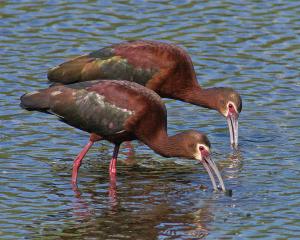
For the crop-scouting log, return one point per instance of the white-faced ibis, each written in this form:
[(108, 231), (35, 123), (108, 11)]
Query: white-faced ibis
[(165, 68), (120, 111)]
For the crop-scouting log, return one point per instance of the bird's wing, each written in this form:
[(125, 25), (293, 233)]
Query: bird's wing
[(80, 108), (119, 62)]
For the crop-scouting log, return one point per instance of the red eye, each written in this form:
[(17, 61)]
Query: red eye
[(230, 106), (201, 148)]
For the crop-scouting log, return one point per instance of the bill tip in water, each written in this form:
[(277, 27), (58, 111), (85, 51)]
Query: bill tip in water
[(227, 192), (234, 146)]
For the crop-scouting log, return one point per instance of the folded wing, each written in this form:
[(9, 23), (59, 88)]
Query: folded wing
[(79, 107)]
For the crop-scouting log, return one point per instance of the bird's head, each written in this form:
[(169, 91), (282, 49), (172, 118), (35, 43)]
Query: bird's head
[(229, 104), (197, 146)]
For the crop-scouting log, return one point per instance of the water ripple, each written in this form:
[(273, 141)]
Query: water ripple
[(252, 46)]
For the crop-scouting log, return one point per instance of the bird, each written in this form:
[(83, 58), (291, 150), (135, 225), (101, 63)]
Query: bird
[(162, 67), (119, 111)]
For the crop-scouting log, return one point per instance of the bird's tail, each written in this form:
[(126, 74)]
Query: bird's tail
[(79, 69), (37, 100)]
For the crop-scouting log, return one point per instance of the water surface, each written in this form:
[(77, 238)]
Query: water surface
[(252, 46)]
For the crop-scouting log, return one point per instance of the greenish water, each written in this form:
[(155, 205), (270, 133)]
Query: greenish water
[(253, 46)]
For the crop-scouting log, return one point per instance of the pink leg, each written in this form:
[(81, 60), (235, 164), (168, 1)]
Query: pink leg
[(78, 159), (129, 145), (130, 160), (112, 192), (113, 162)]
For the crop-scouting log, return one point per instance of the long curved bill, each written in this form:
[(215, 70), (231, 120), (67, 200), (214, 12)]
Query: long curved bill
[(212, 169), (233, 126)]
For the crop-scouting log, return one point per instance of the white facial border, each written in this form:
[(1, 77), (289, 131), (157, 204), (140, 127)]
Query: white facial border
[(227, 108), (198, 154)]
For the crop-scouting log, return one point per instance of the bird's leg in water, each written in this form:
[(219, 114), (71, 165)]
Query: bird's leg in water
[(78, 159), (112, 174), (130, 160), (113, 162)]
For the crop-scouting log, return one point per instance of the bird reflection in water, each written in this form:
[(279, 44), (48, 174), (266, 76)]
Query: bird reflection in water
[(159, 212), (81, 207)]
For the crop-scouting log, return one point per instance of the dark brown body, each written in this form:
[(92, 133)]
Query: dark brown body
[(114, 124), (127, 111), (165, 68)]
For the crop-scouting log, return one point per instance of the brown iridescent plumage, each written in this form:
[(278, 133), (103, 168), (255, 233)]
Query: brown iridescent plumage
[(165, 68), (120, 111)]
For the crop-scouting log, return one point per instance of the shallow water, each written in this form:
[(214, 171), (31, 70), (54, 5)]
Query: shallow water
[(252, 46)]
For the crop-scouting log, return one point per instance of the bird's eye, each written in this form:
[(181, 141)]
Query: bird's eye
[(230, 106), (201, 148)]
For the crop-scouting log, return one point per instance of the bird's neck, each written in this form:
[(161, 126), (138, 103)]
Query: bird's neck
[(168, 146), (201, 97)]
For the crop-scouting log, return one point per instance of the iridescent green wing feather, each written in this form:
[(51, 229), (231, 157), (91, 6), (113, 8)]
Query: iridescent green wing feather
[(100, 64), (83, 109)]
